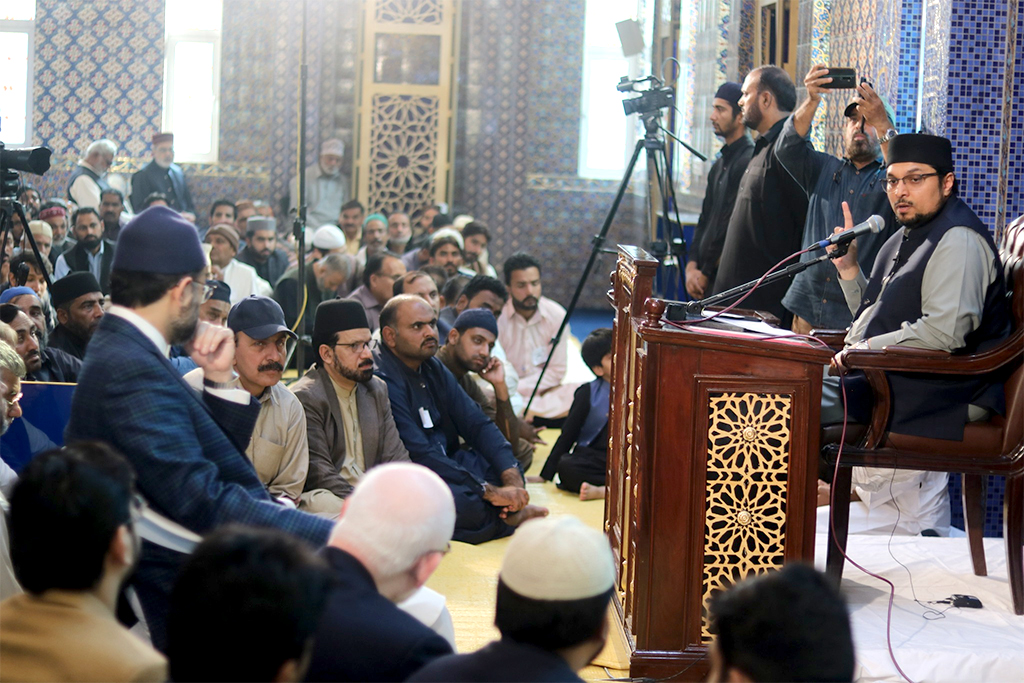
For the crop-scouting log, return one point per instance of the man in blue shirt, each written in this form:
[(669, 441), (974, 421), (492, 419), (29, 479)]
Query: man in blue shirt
[(815, 297), (432, 413)]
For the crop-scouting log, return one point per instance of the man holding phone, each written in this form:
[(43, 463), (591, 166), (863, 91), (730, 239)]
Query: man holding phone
[(815, 297)]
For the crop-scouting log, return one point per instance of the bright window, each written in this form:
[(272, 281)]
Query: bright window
[(192, 78), (17, 39), (605, 131)]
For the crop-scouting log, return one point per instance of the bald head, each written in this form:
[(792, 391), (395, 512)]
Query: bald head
[(397, 514), (408, 327)]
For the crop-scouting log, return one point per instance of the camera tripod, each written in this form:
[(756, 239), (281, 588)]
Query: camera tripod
[(671, 251)]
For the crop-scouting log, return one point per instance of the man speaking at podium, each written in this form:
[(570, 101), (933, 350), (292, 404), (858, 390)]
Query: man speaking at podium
[(936, 284)]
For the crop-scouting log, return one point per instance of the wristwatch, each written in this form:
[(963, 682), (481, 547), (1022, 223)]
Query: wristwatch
[(889, 135), (210, 384)]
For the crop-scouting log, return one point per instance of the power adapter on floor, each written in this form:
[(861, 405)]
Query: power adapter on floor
[(958, 600)]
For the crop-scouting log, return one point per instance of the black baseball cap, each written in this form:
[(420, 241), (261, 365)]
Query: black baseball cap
[(259, 317)]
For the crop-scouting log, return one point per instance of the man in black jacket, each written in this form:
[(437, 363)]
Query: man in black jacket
[(394, 530), (79, 303), (92, 253)]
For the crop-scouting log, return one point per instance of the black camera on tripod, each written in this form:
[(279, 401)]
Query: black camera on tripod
[(657, 96), (31, 160)]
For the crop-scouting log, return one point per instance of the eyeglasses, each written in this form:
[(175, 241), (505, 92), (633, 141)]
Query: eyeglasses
[(137, 508), (207, 290), (357, 347), (11, 402), (911, 181)]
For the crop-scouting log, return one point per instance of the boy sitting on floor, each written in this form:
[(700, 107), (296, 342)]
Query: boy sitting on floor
[(585, 432)]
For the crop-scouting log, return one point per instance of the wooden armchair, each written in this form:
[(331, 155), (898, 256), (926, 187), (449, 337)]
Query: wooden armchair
[(992, 447)]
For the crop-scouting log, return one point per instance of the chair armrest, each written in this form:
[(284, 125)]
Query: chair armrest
[(908, 359)]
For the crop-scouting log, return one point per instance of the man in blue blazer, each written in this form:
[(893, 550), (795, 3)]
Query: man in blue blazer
[(164, 176), (187, 448)]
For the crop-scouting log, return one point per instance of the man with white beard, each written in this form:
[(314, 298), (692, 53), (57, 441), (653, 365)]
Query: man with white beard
[(327, 188), (164, 176)]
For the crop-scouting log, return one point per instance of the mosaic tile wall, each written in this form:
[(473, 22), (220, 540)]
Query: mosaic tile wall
[(517, 139), (909, 65), (105, 78)]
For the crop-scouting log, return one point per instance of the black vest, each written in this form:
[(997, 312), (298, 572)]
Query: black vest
[(85, 170), (934, 406), (78, 259)]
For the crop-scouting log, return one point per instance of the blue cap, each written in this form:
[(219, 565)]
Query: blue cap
[(14, 293), (159, 240), (476, 317), (260, 317), (221, 291), (730, 92)]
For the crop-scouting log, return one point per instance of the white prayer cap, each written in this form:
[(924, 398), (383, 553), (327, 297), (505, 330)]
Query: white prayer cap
[(461, 221), (448, 232), (558, 558), (333, 146), (328, 237)]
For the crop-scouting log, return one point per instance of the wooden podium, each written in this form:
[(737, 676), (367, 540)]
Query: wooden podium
[(712, 468)]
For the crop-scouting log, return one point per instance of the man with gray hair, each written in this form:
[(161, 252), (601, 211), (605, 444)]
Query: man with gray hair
[(393, 532), (89, 179), (12, 371), (327, 187), (323, 277)]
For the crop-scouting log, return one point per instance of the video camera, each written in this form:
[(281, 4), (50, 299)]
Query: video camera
[(30, 160), (656, 96)]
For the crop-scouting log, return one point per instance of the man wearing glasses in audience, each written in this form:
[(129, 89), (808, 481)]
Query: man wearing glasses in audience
[(349, 424)]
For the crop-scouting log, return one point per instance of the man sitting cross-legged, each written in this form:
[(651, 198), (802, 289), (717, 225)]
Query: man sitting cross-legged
[(277, 448), (468, 349), (433, 414), (348, 416), (393, 533)]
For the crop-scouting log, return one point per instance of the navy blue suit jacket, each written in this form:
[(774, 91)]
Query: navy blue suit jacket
[(170, 181), (186, 447), (363, 636)]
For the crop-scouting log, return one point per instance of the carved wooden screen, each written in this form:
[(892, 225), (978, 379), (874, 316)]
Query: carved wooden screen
[(406, 103)]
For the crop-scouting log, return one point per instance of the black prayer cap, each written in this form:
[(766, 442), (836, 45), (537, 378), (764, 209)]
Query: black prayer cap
[(72, 286), (730, 92), (221, 291), (159, 240), (337, 315), (919, 148)]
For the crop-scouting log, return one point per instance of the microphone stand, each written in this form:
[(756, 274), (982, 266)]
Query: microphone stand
[(299, 226), (696, 307)]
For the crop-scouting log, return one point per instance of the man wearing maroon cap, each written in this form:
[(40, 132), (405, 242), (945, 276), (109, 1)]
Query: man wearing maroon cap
[(164, 176)]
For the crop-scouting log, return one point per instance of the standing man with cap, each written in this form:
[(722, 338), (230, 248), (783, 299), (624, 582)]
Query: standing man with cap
[(240, 277), (349, 424), (277, 448), (187, 448), (815, 297), (552, 608), (327, 188), (720, 195), (443, 428), (768, 216), (261, 250), (936, 284), (89, 178), (164, 176), (79, 303)]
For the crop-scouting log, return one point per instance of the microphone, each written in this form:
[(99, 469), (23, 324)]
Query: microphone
[(873, 224)]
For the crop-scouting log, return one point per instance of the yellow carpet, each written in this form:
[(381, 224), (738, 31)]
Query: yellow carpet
[(468, 576)]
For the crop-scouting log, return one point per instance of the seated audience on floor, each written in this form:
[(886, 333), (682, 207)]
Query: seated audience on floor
[(215, 310), (222, 211), (240, 277), (328, 239), (439, 275), (42, 233), (112, 213), (786, 625), (26, 266), (476, 236), (394, 530), (446, 251), (482, 291), (323, 277), (30, 304), (422, 285), (375, 229), (580, 455), (467, 349), (187, 447), (348, 418), (79, 303), (399, 232), (379, 277), (350, 220), (244, 210), (946, 292), (277, 448), (82, 501), (434, 415), (30, 199), (91, 252), (245, 608), (526, 326), (453, 288), (261, 250), (554, 587), (41, 364), (417, 252)]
